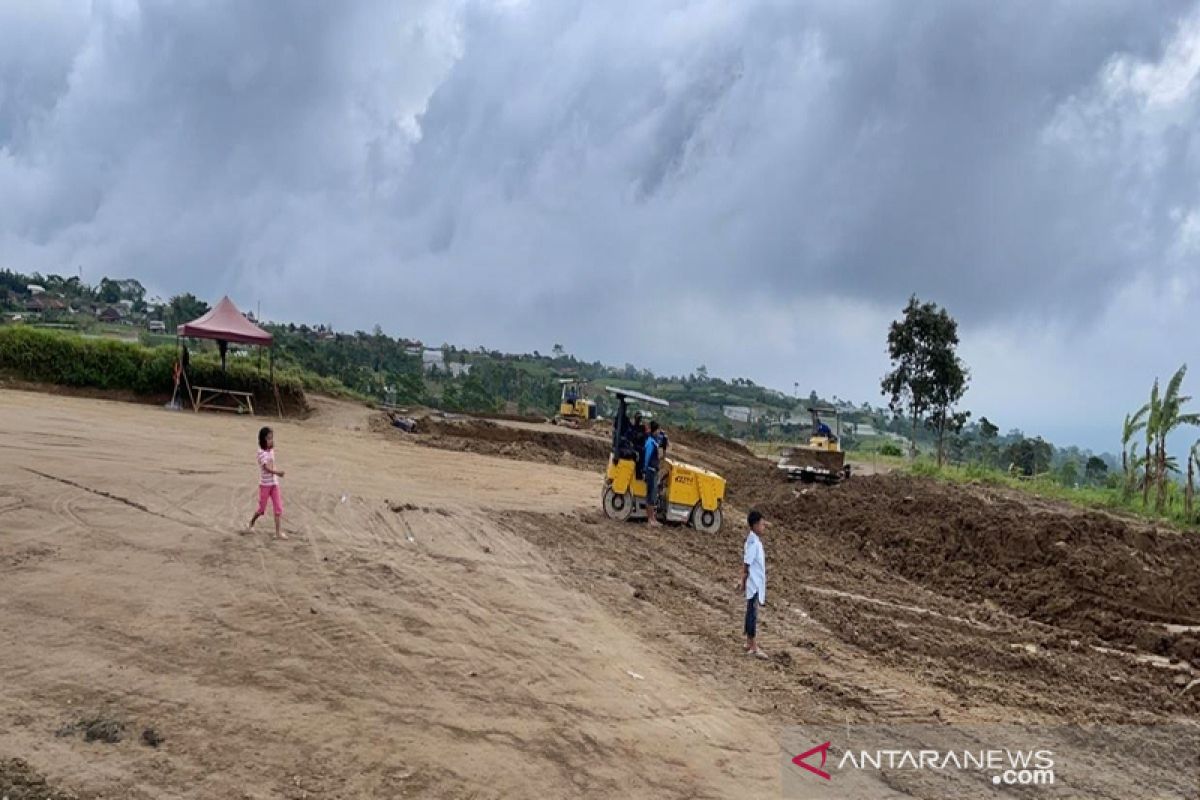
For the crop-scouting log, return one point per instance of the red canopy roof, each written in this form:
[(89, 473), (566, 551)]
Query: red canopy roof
[(226, 323)]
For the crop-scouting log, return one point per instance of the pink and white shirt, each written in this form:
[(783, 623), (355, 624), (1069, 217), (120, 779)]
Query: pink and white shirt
[(266, 458)]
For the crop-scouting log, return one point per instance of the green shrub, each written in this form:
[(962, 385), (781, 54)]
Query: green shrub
[(890, 449), (107, 365), (925, 469)]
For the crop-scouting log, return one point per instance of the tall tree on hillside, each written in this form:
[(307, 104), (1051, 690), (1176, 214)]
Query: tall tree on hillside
[(183, 308), (1134, 423), (987, 441), (109, 291), (927, 378)]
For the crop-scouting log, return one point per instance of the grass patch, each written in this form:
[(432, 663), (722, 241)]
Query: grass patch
[(1050, 488)]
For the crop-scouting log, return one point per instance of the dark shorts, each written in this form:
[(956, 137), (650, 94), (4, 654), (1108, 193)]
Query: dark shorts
[(651, 488), (752, 617)]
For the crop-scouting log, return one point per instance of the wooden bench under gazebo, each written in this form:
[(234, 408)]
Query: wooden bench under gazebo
[(223, 324)]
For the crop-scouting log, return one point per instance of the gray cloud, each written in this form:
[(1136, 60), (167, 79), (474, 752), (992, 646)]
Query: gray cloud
[(665, 183)]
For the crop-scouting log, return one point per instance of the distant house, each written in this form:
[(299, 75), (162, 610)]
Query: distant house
[(40, 303), (458, 370), (34, 289), (157, 326), (111, 314), (432, 359)]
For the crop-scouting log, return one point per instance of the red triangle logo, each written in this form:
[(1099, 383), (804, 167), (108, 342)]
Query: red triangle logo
[(799, 761)]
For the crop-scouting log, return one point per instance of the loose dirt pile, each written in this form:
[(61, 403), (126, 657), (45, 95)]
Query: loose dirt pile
[(485, 437), (19, 781), (1093, 574), (988, 596), (1089, 572)]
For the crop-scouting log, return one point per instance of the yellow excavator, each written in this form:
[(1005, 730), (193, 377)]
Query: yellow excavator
[(822, 459), (574, 410), (686, 493)]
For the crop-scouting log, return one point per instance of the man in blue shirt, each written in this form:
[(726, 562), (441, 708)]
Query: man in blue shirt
[(650, 454)]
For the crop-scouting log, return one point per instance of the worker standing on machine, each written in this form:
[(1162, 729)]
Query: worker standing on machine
[(650, 471), (637, 438), (661, 436)]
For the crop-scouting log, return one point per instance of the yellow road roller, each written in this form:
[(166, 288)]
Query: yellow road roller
[(687, 494)]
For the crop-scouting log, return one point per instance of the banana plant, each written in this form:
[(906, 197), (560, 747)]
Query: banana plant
[(1153, 409), (1134, 424), (1189, 494), (1170, 416)]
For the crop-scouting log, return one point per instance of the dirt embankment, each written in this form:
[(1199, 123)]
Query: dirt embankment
[(985, 594), (1121, 580), (581, 449), (1088, 572), (486, 437), (1094, 577)]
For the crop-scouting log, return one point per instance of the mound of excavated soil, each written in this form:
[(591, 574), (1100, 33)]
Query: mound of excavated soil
[(1089, 573), (715, 446), (471, 435), (1086, 571), (19, 781)]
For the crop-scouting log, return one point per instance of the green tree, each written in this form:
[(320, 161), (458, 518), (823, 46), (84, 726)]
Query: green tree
[(1068, 474), (1095, 470), (183, 308), (1190, 490), (1170, 417), (927, 378), (1030, 456), (1134, 423), (109, 291), (987, 441)]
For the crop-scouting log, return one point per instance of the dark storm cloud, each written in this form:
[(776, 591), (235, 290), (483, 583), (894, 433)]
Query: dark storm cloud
[(870, 152), (507, 173)]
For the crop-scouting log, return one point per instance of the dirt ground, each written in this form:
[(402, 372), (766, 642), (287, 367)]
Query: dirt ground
[(458, 620)]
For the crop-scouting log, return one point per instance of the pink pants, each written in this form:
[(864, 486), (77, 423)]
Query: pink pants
[(272, 493)]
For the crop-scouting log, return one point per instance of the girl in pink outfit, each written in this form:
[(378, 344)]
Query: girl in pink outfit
[(268, 481)]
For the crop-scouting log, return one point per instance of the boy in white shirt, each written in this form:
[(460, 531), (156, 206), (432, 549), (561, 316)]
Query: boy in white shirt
[(753, 584)]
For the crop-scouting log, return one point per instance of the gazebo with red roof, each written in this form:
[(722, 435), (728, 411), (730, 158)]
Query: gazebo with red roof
[(225, 324)]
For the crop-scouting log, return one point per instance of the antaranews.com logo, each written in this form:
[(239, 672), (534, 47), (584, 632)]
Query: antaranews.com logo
[(1004, 767), (868, 762)]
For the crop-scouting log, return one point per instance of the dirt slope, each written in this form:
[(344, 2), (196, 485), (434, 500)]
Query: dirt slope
[(424, 652), (458, 620)]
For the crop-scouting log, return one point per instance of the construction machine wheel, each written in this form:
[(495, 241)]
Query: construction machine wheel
[(617, 506), (705, 521)]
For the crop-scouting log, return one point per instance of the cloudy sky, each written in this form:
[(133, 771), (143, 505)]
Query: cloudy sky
[(755, 186)]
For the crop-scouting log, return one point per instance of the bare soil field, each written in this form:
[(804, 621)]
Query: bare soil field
[(453, 617)]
